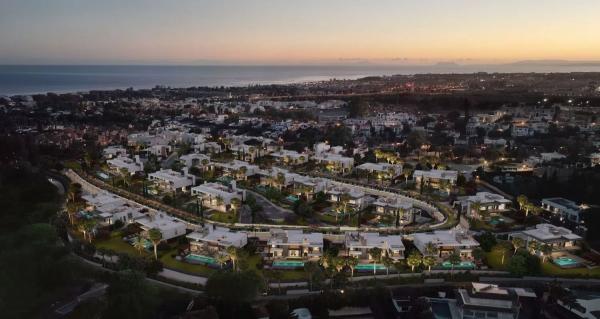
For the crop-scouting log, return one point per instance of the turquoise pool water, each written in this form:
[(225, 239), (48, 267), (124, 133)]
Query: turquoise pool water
[(565, 261), (201, 259), (369, 267), (441, 309), (496, 220), (288, 264), (461, 265), (292, 198)]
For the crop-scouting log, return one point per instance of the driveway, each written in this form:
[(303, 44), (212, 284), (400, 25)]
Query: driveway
[(270, 210)]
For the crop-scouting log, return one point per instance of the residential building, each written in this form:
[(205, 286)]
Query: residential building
[(295, 244), (381, 170), (355, 199), (170, 180), (487, 202), (213, 239), (122, 163), (484, 300), (169, 227), (393, 205), (194, 159), (435, 177), (447, 242), (114, 151), (359, 244), (335, 162), (218, 196), (109, 208), (559, 238), (566, 209), (287, 157)]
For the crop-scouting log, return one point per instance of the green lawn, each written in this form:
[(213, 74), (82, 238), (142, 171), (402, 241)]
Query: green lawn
[(224, 217), (494, 258), (117, 244), (170, 262)]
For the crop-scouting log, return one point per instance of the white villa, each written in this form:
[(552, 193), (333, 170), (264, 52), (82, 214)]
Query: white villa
[(110, 208), (489, 202), (295, 244), (358, 245), (215, 239), (567, 209), (114, 151), (559, 238), (392, 205), (356, 197), (125, 163), (238, 169), (169, 227), (194, 159), (435, 176), (218, 196), (335, 162), (447, 242), (288, 157), (383, 170), (168, 179)]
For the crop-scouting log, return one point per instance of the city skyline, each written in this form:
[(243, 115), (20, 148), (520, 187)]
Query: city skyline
[(264, 32)]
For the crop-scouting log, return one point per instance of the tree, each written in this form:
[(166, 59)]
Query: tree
[(311, 268), (478, 254), (517, 265), (277, 275), (429, 261), (375, 253), (138, 244), (75, 191), (546, 251), (414, 260), (129, 296), (431, 249), (233, 288), (352, 262), (533, 246), (388, 262), (454, 259), (155, 237), (221, 259), (503, 248), (522, 201), (487, 241), (517, 243), (233, 255), (357, 107)]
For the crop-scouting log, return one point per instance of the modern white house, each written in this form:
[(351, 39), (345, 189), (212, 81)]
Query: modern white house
[(109, 208), (393, 205), (488, 202), (381, 170), (170, 180), (114, 151), (194, 159), (169, 227), (294, 244), (120, 163), (359, 244), (559, 238), (447, 242), (287, 157), (335, 162), (238, 169), (484, 300), (435, 176), (213, 239), (218, 196), (356, 198), (566, 209)]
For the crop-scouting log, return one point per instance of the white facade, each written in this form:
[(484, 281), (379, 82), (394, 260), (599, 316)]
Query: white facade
[(218, 196), (358, 245), (295, 244), (125, 163), (171, 180)]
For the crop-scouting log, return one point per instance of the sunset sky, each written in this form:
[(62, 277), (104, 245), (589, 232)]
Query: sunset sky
[(296, 32)]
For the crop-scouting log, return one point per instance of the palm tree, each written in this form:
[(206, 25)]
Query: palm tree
[(375, 253), (476, 207), (352, 261), (414, 260), (311, 268), (454, 259), (221, 259), (155, 237), (138, 244), (87, 227), (235, 203), (429, 261), (478, 253), (388, 262), (533, 246), (431, 249), (280, 180), (503, 249), (517, 243), (546, 251), (344, 200), (74, 192), (233, 254), (219, 200)]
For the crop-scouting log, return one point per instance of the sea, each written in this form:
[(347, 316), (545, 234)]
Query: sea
[(35, 79)]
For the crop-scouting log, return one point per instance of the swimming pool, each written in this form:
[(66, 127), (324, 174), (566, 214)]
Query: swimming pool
[(461, 265), (200, 259), (441, 309), (496, 220), (288, 264), (566, 261), (292, 198), (361, 267)]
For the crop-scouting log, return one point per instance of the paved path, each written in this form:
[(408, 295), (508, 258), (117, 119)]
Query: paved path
[(179, 276)]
